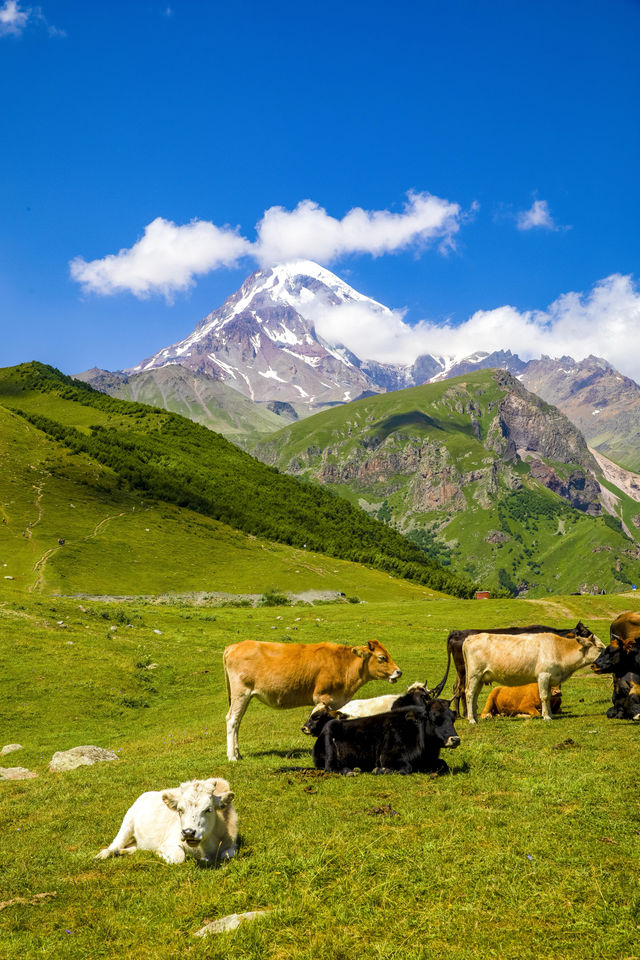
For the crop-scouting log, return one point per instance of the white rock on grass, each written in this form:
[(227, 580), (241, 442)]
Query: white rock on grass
[(79, 757), (232, 922), (16, 773), (9, 748)]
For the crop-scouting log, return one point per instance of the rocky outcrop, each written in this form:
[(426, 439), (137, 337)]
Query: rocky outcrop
[(602, 403), (579, 488), (535, 426)]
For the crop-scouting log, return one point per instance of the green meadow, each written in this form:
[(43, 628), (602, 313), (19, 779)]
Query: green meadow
[(114, 637), (529, 847)]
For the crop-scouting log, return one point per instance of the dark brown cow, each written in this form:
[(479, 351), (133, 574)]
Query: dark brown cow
[(455, 643), (625, 629), (297, 674)]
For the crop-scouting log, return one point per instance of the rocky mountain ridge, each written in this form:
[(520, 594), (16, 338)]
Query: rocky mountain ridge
[(263, 343), (478, 470)]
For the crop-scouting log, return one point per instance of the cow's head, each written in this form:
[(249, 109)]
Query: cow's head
[(610, 659), (197, 804), (319, 717), (439, 723), (590, 645), (380, 666), (581, 631), (621, 655)]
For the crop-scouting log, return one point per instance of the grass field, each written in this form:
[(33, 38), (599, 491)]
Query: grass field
[(530, 848)]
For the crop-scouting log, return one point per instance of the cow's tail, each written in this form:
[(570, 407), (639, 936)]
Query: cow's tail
[(438, 690), (226, 677)]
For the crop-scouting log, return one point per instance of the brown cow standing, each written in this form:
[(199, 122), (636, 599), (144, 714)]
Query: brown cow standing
[(516, 701), (287, 675)]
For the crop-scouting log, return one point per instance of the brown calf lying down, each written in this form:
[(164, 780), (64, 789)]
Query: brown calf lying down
[(516, 701)]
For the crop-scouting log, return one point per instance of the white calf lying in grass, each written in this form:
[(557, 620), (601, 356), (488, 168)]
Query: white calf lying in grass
[(198, 819)]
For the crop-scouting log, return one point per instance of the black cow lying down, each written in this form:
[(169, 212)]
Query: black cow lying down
[(406, 740), (625, 698)]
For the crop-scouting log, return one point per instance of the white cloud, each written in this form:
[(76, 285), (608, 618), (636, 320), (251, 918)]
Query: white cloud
[(370, 330), (538, 216), (165, 260), (605, 322), (13, 20), (168, 256), (310, 232)]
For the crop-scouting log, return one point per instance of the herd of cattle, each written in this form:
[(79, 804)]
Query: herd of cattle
[(387, 734), (406, 733)]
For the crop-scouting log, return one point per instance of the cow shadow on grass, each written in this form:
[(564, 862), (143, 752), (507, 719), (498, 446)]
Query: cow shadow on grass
[(296, 754), (310, 772)]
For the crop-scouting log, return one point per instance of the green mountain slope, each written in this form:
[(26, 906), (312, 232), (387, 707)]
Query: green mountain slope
[(120, 450), (480, 473), (194, 395)]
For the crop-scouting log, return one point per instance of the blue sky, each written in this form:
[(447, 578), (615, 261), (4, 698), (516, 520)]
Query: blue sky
[(520, 118)]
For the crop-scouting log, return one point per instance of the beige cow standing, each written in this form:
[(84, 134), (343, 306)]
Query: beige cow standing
[(546, 658)]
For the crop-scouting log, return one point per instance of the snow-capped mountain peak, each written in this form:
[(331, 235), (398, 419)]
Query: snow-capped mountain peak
[(263, 340), (266, 340)]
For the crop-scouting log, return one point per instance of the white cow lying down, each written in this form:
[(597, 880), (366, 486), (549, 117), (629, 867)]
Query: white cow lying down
[(368, 707), (197, 818)]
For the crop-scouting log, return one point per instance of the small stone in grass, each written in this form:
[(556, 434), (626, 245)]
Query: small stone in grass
[(16, 773), (231, 922), (78, 757)]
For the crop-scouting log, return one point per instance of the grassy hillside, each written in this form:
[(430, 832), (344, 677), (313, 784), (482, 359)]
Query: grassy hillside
[(120, 542), (439, 463), (115, 459), (527, 849), (194, 395)]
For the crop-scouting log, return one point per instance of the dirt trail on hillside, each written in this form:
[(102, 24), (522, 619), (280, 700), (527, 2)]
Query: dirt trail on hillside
[(40, 564), (101, 524), (38, 503), (555, 607)]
